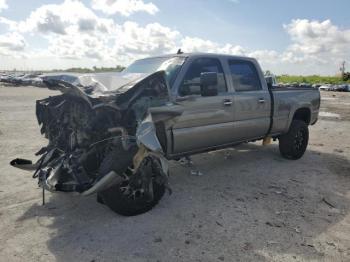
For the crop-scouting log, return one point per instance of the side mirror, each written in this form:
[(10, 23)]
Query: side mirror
[(209, 82), (269, 82)]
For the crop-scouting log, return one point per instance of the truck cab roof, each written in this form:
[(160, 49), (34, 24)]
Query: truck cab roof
[(202, 54)]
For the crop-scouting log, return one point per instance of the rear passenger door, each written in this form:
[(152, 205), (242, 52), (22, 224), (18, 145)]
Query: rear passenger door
[(252, 103)]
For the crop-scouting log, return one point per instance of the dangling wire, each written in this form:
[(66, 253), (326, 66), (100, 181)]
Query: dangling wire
[(43, 195)]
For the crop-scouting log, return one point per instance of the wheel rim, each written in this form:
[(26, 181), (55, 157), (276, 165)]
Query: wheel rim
[(299, 140), (139, 186), (131, 187)]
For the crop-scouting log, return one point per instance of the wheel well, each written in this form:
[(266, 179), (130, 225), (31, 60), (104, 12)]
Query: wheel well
[(161, 135), (303, 114)]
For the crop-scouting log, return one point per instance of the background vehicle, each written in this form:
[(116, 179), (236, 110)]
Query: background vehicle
[(113, 133)]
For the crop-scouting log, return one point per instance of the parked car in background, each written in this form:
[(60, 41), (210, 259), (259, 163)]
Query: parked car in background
[(343, 88), (20, 79), (305, 85), (324, 87)]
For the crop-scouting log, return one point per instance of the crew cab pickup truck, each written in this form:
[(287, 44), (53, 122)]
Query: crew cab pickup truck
[(113, 133)]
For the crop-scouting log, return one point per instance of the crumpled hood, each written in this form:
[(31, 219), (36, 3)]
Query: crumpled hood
[(95, 85)]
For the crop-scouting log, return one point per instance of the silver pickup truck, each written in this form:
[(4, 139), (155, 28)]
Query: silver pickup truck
[(113, 133)]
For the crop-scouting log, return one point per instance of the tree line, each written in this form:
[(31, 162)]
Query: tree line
[(94, 69), (314, 79)]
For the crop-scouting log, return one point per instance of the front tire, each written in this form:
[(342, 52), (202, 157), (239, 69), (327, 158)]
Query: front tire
[(129, 198), (293, 144)]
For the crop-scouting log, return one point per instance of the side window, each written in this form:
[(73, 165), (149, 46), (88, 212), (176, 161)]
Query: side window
[(244, 76), (191, 82)]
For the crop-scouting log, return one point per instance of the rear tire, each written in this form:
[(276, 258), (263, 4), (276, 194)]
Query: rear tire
[(293, 144)]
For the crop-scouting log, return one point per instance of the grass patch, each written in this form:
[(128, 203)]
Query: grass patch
[(314, 79)]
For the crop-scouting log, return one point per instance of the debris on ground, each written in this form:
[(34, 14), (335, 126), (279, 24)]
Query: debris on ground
[(247, 246), (196, 173), (219, 224), (186, 161), (328, 203), (338, 151), (228, 155), (297, 230), (275, 224), (158, 240)]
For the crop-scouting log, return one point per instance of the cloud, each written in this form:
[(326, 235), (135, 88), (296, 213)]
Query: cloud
[(266, 56), (3, 5), (12, 25), (195, 44), (75, 33), (67, 17), (12, 41), (150, 39), (128, 41), (314, 47), (124, 7), (11, 44), (84, 46), (320, 41)]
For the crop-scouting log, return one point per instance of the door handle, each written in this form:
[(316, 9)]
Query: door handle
[(227, 102), (261, 100)]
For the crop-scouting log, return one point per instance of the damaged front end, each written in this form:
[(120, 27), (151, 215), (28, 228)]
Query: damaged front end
[(103, 139)]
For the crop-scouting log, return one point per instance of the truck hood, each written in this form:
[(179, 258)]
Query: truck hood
[(94, 85)]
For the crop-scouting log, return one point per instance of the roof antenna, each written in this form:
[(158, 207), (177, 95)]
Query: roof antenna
[(179, 52)]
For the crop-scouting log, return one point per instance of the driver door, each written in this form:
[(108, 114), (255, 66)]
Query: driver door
[(206, 121)]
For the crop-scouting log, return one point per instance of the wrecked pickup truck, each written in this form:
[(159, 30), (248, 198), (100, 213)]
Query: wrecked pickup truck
[(113, 133)]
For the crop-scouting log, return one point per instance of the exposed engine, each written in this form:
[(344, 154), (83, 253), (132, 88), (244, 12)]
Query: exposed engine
[(93, 132)]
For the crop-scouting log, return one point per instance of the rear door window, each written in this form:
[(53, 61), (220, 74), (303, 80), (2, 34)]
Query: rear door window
[(244, 76)]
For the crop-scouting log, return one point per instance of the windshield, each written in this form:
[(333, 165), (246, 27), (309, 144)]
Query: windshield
[(171, 66)]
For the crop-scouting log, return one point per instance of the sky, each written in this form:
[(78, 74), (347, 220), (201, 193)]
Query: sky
[(287, 37)]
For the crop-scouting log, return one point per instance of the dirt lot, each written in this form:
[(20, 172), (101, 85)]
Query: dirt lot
[(250, 204)]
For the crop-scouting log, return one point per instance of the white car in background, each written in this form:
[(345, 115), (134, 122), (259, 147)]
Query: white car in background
[(324, 87)]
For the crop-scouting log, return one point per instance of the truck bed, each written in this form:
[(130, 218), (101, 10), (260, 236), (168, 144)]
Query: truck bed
[(287, 100)]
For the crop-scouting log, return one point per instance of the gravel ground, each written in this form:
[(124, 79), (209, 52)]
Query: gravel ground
[(250, 204)]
